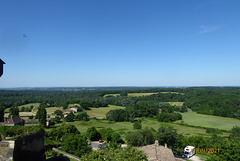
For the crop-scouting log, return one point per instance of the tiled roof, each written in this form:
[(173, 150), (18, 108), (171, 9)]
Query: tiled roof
[(14, 120), (158, 153)]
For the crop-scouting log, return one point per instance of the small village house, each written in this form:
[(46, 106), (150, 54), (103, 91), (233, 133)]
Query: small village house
[(13, 121), (73, 109)]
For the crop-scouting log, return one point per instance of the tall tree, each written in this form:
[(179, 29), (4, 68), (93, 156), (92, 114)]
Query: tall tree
[(42, 115), (14, 111)]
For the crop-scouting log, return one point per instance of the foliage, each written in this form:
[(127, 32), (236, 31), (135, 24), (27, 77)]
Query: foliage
[(93, 134), (14, 111), (51, 154), (117, 115), (169, 136), (106, 134), (123, 93), (69, 117), (57, 133), (83, 116), (42, 115), (228, 150), (18, 130), (213, 130), (169, 117), (116, 138), (58, 113), (236, 132), (137, 124), (25, 109), (56, 119), (140, 138), (129, 154), (75, 144), (30, 117)]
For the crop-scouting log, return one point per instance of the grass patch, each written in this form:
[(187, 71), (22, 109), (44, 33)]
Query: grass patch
[(176, 103), (114, 95), (123, 127), (35, 105), (51, 110), (132, 94), (140, 94), (224, 123), (102, 111)]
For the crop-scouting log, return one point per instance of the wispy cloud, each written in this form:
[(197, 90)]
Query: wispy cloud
[(207, 29)]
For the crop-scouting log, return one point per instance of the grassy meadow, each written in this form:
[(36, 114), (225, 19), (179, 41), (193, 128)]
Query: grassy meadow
[(224, 123), (123, 127), (176, 103), (101, 112), (132, 94)]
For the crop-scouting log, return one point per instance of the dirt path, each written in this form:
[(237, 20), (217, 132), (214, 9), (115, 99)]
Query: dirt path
[(195, 158)]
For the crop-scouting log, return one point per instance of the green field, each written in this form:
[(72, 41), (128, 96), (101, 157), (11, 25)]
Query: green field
[(140, 94), (124, 127), (176, 103), (224, 123), (27, 105), (132, 94), (101, 112), (115, 95)]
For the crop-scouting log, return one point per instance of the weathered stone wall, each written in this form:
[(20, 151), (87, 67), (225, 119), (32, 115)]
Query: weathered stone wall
[(6, 150)]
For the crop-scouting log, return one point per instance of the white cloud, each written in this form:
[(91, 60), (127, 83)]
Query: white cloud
[(207, 29)]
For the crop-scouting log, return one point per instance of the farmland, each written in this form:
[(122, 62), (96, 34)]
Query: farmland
[(192, 118), (132, 94), (101, 112), (124, 127)]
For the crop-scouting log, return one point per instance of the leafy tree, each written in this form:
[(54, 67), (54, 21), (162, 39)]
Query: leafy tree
[(169, 136), (137, 125), (56, 119), (14, 111), (27, 109), (116, 137), (106, 134), (70, 117), (65, 105), (85, 104), (22, 109), (83, 116), (2, 109), (118, 115), (30, 117), (228, 150), (31, 107), (57, 133), (130, 153), (58, 113), (93, 134), (140, 138), (235, 132), (124, 93), (169, 117), (75, 144)]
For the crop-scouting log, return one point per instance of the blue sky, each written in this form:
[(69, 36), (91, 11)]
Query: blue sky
[(75, 43)]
